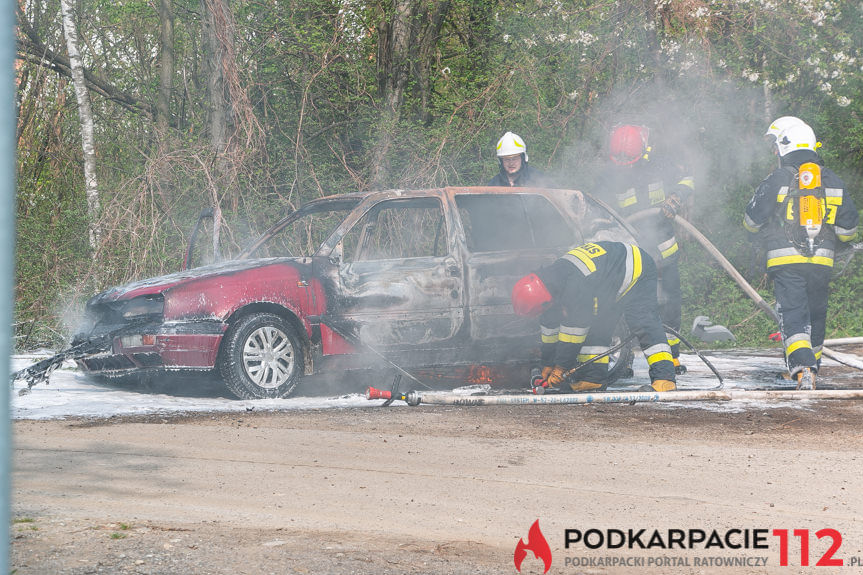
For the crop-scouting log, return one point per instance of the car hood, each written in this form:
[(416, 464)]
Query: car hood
[(160, 284)]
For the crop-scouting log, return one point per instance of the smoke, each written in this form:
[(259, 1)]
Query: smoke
[(712, 128)]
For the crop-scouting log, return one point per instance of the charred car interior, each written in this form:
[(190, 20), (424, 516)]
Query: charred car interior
[(420, 278)]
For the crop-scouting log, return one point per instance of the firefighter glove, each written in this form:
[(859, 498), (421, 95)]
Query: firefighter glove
[(536, 378), (556, 377), (546, 371), (671, 206)]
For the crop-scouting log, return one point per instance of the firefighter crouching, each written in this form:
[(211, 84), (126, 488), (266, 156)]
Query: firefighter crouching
[(800, 210), (580, 298)]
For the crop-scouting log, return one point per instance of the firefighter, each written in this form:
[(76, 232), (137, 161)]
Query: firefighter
[(514, 169), (636, 181), (580, 298), (800, 211)]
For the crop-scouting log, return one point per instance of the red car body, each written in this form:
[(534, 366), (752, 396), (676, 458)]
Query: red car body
[(416, 278)]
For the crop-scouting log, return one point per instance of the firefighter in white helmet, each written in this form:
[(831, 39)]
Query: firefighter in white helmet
[(800, 212), (638, 180), (514, 169)]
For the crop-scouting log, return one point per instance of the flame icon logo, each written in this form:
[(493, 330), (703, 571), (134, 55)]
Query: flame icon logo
[(535, 542)]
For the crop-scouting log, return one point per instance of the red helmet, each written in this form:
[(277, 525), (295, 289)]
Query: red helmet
[(627, 144), (530, 296)]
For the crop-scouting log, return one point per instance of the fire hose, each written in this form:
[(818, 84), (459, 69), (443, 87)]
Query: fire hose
[(843, 358), (414, 398)]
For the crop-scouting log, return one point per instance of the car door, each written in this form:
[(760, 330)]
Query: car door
[(400, 276), (508, 235)]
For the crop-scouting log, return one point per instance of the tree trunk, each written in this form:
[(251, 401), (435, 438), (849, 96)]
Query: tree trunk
[(394, 46), (166, 73), (85, 114), (212, 26), (426, 46)]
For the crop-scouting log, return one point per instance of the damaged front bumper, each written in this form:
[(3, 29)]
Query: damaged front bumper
[(181, 346)]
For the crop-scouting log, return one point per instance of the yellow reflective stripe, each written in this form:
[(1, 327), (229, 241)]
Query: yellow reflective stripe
[(584, 258), (635, 273), (687, 181), (800, 344), (627, 198), (749, 224), (818, 354), (659, 356), (656, 193), (571, 338), (549, 338), (670, 251), (784, 260), (673, 341), (636, 268)]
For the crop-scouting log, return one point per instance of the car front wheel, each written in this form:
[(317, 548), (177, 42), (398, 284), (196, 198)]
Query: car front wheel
[(262, 357)]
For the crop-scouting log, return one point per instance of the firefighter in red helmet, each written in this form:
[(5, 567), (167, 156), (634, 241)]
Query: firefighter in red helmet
[(579, 299), (638, 180)]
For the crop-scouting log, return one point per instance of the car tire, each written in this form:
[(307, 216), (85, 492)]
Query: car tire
[(261, 357)]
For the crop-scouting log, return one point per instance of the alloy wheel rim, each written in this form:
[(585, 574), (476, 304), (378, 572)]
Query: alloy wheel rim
[(268, 357)]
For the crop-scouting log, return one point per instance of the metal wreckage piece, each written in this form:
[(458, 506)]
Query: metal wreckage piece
[(40, 372)]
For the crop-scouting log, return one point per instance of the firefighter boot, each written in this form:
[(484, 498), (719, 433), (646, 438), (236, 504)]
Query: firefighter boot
[(659, 385), (806, 378), (585, 386), (679, 369)]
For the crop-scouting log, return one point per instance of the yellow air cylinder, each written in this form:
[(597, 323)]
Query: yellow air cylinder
[(811, 207)]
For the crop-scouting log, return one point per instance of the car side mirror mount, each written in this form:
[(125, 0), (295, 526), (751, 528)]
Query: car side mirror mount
[(337, 254)]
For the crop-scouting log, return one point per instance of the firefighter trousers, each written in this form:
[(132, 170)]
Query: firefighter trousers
[(670, 300), (801, 301), (640, 308)]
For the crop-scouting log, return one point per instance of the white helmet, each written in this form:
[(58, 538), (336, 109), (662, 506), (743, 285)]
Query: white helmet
[(796, 137), (511, 144), (781, 124)]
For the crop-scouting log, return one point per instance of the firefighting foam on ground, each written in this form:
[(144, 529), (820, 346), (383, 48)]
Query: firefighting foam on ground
[(71, 394)]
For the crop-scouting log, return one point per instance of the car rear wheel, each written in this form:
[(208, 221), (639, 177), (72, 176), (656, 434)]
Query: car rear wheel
[(262, 357)]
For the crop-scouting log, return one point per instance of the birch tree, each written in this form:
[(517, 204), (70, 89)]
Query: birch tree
[(85, 114)]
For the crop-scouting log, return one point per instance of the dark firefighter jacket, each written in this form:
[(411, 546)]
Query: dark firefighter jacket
[(766, 211), (643, 185), (584, 284), (526, 177)]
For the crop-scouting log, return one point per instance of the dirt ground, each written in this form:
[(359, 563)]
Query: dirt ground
[(432, 489)]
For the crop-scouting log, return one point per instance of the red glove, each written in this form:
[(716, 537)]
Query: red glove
[(776, 336)]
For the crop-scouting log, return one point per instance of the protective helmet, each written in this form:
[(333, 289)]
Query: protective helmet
[(796, 137), (511, 144), (530, 296), (782, 123), (628, 143)]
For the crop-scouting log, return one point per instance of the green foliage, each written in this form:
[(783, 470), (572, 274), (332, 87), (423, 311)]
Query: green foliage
[(707, 78)]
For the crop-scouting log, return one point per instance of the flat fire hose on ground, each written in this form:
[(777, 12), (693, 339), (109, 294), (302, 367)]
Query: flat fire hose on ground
[(843, 358), (437, 398)]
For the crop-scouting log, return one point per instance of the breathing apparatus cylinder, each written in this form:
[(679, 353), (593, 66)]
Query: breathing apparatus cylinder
[(811, 206)]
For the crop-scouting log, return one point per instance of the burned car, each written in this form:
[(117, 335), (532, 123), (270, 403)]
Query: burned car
[(415, 278)]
